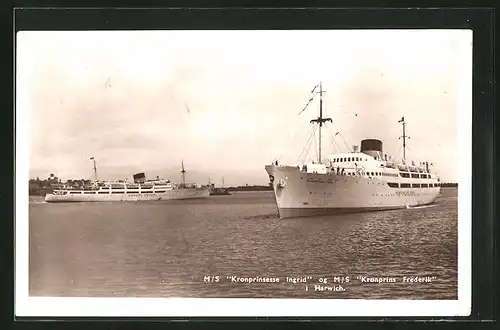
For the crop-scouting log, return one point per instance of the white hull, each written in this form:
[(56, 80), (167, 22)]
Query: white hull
[(300, 194), (98, 196)]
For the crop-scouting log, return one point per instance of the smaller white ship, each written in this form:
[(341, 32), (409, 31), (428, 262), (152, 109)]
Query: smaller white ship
[(140, 190)]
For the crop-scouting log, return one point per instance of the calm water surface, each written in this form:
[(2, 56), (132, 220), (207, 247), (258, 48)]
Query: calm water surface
[(165, 249)]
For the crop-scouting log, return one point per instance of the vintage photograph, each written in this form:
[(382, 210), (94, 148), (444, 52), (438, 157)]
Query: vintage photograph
[(320, 167)]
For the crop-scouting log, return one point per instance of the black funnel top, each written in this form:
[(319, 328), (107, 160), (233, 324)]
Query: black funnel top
[(371, 145)]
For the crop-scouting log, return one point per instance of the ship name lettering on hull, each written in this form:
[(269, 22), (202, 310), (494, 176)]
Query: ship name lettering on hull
[(405, 193), (319, 181)]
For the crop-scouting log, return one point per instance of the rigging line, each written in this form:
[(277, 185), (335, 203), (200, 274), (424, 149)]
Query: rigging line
[(332, 136), (316, 148), (337, 148), (335, 142), (338, 133), (399, 151), (408, 149), (345, 142), (310, 143), (307, 143)]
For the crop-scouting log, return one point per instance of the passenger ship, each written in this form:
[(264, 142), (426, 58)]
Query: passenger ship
[(351, 182), (140, 190)]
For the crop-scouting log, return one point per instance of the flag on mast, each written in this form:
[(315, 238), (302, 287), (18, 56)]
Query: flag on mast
[(401, 120), (306, 105), (91, 158)]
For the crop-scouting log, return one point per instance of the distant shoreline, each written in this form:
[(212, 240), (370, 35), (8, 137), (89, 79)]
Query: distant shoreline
[(40, 192)]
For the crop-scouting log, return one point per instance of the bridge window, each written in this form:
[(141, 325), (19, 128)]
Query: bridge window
[(405, 175), (424, 185), (415, 185), (414, 176), (393, 184), (405, 185)]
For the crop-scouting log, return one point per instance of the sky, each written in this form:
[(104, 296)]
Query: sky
[(227, 102)]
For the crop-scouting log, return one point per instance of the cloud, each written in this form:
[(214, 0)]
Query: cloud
[(121, 96)]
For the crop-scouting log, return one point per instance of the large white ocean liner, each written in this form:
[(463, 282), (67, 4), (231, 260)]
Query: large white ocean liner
[(141, 190), (368, 180)]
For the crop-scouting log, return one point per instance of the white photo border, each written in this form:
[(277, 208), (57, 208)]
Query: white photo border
[(26, 306)]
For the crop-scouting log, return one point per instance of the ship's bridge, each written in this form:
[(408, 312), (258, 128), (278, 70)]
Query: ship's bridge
[(359, 162), (354, 157)]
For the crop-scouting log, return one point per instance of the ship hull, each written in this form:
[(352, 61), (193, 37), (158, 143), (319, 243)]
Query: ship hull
[(301, 194), (174, 194)]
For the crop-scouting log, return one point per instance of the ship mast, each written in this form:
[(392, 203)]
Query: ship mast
[(320, 120), (95, 168), (183, 171), (404, 137)]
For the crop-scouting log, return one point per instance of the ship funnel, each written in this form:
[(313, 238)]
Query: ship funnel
[(372, 147), (139, 178)]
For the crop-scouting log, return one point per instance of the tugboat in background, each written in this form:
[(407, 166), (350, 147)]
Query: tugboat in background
[(218, 191)]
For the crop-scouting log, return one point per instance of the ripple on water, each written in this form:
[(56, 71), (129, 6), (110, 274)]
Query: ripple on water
[(165, 249)]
